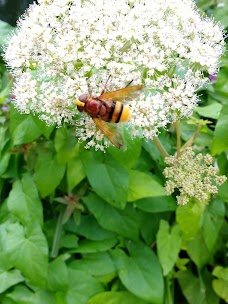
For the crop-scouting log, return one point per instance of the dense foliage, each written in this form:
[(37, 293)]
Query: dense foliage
[(83, 226)]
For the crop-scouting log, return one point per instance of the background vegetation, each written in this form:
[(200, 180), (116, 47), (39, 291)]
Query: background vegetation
[(79, 226)]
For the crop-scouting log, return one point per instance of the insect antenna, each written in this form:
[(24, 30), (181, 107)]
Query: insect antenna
[(88, 85), (105, 85), (129, 83)]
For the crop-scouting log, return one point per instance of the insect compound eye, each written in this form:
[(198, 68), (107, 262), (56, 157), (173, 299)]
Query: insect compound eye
[(83, 97)]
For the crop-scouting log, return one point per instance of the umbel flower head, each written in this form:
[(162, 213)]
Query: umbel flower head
[(193, 175), (61, 45)]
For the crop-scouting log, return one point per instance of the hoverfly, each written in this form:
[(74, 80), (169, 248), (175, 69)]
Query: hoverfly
[(107, 110)]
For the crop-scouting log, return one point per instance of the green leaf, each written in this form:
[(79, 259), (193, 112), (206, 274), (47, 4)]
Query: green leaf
[(9, 278), (210, 111), (69, 241), (115, 297), (168, 245), (220, 14), (65, 144), (108, 178), (24, 202), (87, 246), (26, 131), (5, 29), (23, 295), (44, 129), (48, 173), (223, 191), (96, 264), (81, 287), (220, 285), (196, 290), (220, 141), (4, 162), (212, 222), (157, 204), (129, 157), (198, 251), (89, 228), (26, 248), (143, 185), (189, 219), (140, 272), (122, 222), (75, 172), (58, 275)]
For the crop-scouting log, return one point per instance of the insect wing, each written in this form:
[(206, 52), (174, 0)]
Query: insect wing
[(111, 132), (121, 94)]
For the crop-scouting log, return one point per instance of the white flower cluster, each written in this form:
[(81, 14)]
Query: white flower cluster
[(166, 45)]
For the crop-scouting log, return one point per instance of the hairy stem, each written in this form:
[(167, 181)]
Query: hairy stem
[(160, 147)]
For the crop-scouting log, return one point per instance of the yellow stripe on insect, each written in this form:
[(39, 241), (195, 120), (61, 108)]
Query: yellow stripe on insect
[(79, 103)]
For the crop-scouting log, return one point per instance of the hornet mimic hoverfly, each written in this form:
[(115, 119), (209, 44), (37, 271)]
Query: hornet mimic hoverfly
[(107, 110)]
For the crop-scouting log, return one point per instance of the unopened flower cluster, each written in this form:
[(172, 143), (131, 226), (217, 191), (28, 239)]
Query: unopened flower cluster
[(62, 45), (193, 175)]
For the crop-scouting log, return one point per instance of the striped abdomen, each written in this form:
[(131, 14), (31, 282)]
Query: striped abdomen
[(114, 111)]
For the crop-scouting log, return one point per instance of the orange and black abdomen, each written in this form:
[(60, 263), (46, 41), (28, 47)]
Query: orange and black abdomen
[(119, 112)]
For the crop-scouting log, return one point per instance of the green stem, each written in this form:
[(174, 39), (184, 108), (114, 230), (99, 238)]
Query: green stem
[(169, 289), (177, 126), (160, 147), (57, 236), (191, 140)]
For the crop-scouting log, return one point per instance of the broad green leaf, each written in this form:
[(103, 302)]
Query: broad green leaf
[(143, 185), (23, 295), (129, 157), (5, 29), (122, 222), (4, 162), (5, 86), (168, 245), (58, 275), (210, 111), (96, 264), (9, 278), (69, 241), (115, 297), (196, 290), (220, 285), (223, 191), (48, 173), (107, 177), (65, 144), (150, 224), (26, 131), (140, 272), (26, 248), (198, 251), (24, 202), (44, 129), (75, 172), (157, 204), (220, 14), (87, 246), (220, 141), (82, 286), (212, 223), (188, 218), (89, 228)]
